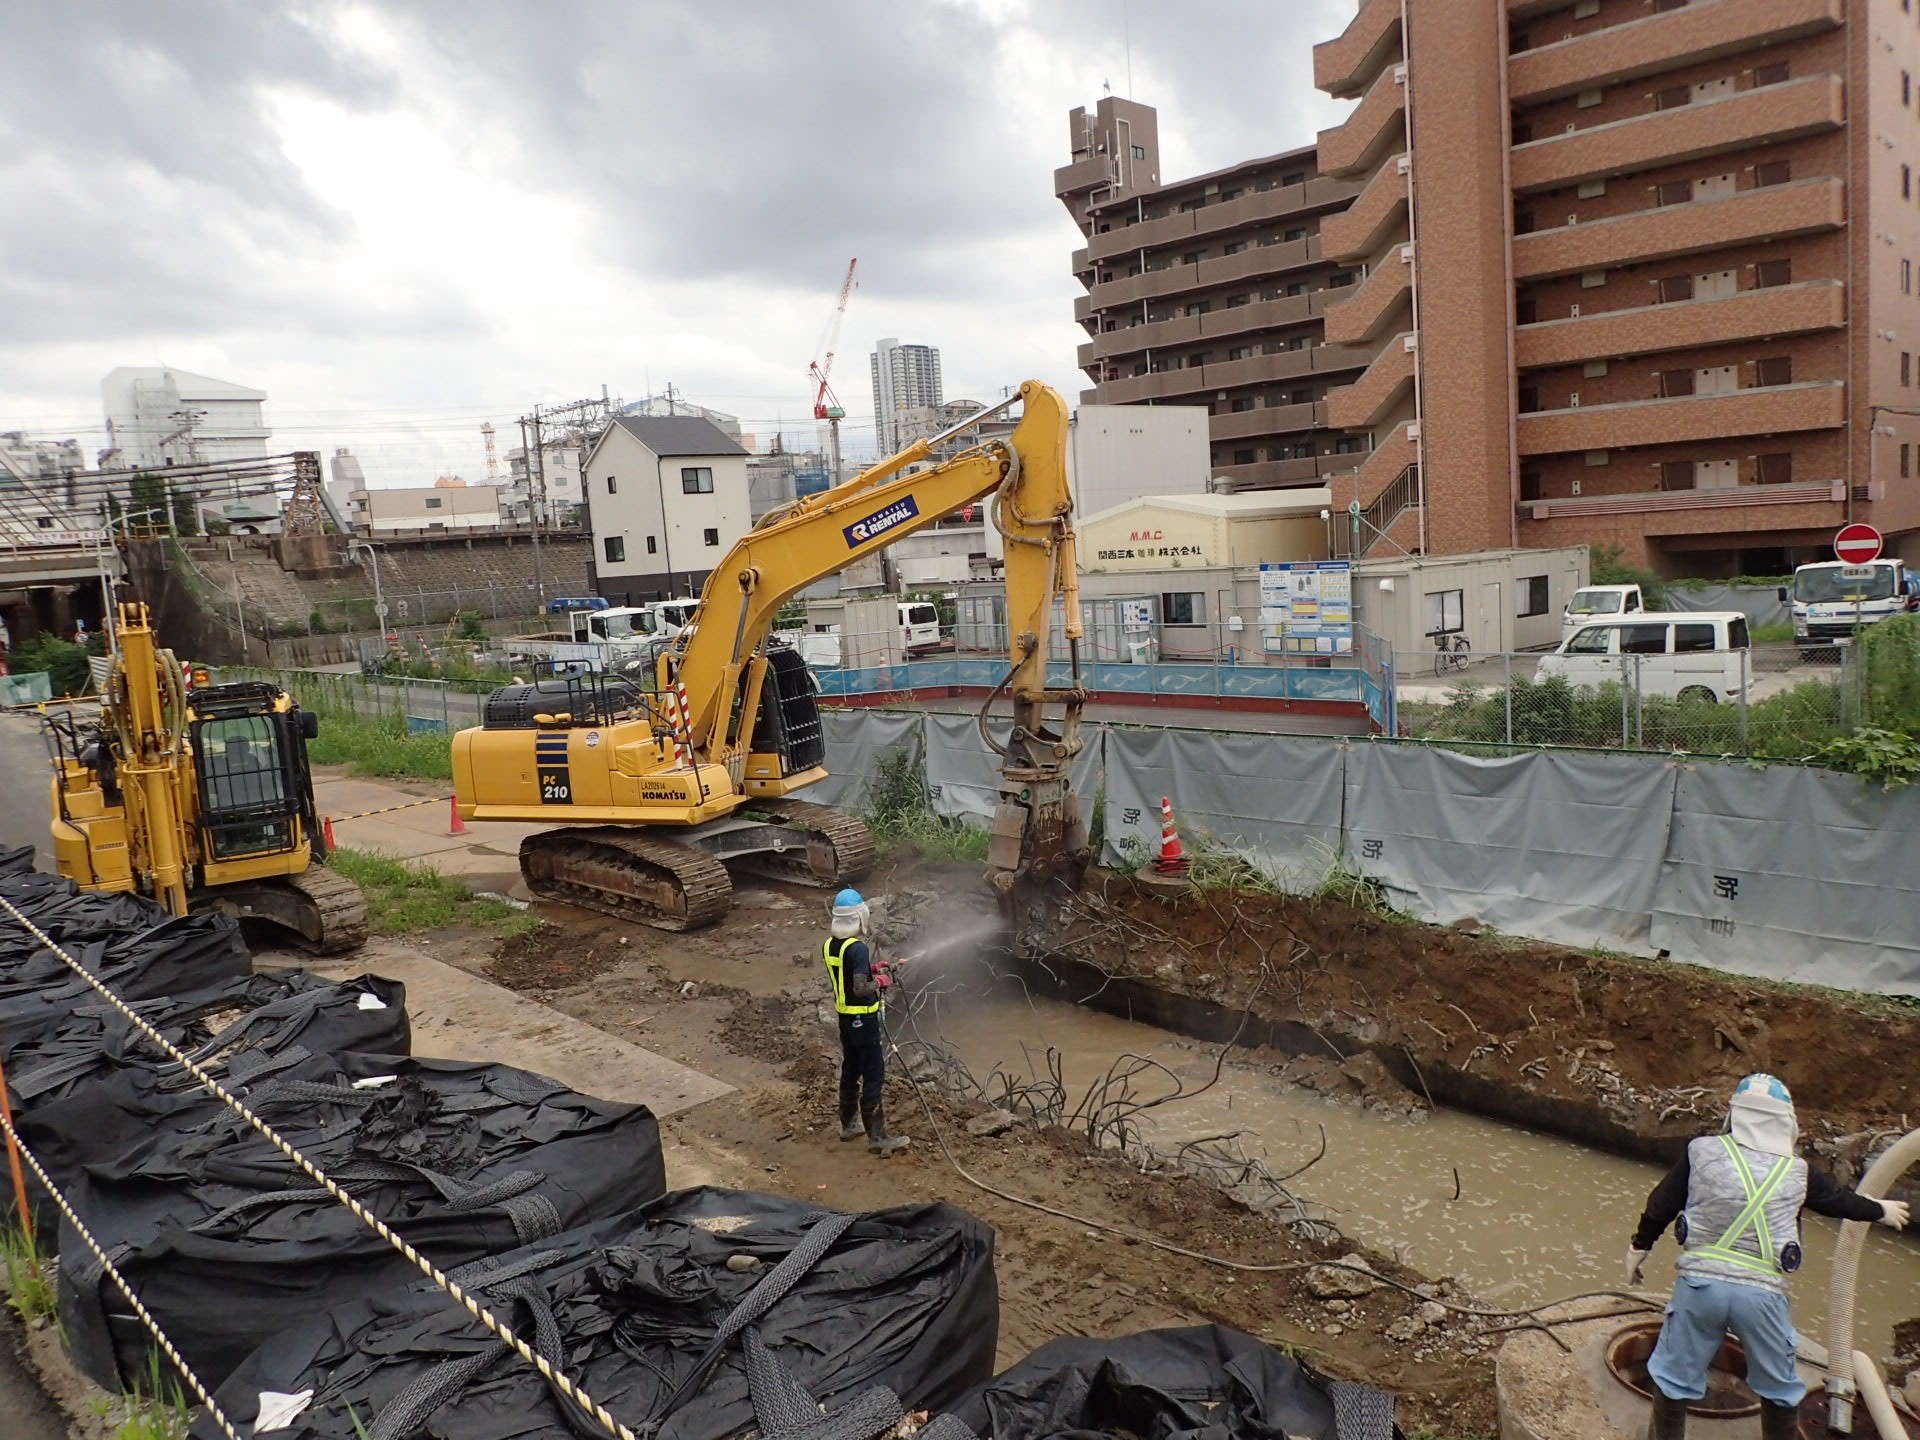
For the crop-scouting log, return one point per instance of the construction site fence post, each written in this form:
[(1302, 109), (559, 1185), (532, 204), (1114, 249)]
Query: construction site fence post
[(1507, 691)]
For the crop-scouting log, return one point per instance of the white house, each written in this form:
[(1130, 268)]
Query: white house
[(667, 496)]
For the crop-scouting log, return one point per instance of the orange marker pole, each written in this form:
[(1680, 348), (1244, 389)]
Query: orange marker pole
[(14, 1162)]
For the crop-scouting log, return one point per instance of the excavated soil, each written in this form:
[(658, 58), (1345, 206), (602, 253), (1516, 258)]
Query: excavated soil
[(1635, 1055)]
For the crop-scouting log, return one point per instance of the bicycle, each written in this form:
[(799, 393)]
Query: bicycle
[(1450, 652)]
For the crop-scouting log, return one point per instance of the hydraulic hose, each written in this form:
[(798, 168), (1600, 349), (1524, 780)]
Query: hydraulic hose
[(1841, 1368)]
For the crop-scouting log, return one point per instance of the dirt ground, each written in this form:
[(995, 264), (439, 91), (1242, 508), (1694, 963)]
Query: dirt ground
[(1628, 1053), (745, 1001)]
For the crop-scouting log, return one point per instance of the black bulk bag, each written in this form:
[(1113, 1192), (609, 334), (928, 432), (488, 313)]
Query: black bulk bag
[(226, 1242), (895, 1309), (1204, 1382)]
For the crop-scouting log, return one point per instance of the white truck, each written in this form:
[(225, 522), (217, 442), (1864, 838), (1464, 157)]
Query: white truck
[(1599, 602), (1831, 601), (606, 640)]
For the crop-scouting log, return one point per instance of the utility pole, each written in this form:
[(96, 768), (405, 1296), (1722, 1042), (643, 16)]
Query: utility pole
[(536, 494)]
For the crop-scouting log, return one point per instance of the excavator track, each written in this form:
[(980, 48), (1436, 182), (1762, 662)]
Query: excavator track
[(339, 909), (840, 847), (629, 874)]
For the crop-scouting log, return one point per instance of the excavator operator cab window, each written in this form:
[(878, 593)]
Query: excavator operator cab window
[(246, 805)]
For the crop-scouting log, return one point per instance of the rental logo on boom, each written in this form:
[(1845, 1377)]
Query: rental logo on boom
[(881, 521)]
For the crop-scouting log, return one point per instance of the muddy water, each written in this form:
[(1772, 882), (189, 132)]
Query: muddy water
[(1536, 1217)]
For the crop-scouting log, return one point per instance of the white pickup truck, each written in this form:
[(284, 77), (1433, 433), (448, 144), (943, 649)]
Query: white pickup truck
[(1599, 602)]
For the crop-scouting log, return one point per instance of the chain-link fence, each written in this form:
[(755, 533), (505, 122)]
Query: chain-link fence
[(426, 706)]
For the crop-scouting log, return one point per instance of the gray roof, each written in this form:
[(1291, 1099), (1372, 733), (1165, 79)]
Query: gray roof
[(678, 435)]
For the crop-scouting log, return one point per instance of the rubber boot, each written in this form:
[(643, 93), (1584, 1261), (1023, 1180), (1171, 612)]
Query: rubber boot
[(878, 1140), (1669, 1417), (1779, 1422), (850, 1126)]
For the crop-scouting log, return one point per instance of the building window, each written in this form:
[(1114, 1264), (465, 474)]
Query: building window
[(1235, 301), (1906, 277), (1523, 222), (1183, 607), (1592, 279), (653, 547), (1773, 469), (1298, 177), (1906, 182), (616, 548), (434, 502), (1772, 172), (1674, 192), (1532, 486), (1245, 402), (1301, 396), (1533, 595), (1139, 152), (696, 480), (1199, 307), (1522, 132), (1245, 457), (1526, 312), (1350, 445), (1776, 370), (1769, 273), (1298, 233), (1676, 475), (711, 536), (1193, 257), (1445, 610), (1590, 98), (1200, 357), (1777, 73), (1906, 367), (1527, 399), (1675, 383), (1906, 88), (1234, 247), (613, 486), (1674, 288), (1594, 369), (1906, 462), (1673, 98)]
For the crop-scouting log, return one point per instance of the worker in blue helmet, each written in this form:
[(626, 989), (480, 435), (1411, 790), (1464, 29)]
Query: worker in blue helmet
[(1734, 1201), (859, 1000)]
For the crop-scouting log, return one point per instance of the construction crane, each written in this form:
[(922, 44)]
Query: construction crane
[(826, 405)]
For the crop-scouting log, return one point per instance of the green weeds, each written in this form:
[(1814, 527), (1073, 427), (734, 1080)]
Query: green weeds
[(408, 898), (899, 814), (30, 1292), (380, 746)]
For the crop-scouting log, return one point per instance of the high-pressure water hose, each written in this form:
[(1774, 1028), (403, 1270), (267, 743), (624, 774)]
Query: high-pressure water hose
[(1843, 1369)]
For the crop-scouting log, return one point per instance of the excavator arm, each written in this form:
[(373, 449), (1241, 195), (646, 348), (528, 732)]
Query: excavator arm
[(1036, 835)]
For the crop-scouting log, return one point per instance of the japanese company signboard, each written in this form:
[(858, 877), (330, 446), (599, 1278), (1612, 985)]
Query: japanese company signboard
[(1306, 607)]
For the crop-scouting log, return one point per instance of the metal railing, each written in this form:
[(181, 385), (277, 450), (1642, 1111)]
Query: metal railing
[(1354, 535)]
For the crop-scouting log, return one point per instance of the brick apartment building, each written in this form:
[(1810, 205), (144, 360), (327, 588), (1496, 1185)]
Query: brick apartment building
[(1210, 291), (1623, 270)]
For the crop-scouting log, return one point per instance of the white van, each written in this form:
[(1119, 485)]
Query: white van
[(1599, 602), (919, 626), (1699, 655)]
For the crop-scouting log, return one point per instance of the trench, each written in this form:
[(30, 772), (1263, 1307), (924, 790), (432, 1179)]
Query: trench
[(1516, 1215)]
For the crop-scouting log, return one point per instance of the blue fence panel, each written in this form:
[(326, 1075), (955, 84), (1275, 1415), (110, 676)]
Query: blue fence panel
[(1312, 684)]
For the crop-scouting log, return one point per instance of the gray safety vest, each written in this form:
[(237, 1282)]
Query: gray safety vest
[(1743, 1210)]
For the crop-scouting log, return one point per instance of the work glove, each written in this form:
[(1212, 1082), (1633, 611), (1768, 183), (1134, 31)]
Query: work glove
[(1893, 1214), (1636, 1263)]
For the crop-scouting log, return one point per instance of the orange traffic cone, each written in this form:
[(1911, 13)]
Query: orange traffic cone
[(1172, 859), (458, 826), (326, 831)]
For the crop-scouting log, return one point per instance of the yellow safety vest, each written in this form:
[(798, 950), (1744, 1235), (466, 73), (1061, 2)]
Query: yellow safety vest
[(1751, 1218), (836, 950)]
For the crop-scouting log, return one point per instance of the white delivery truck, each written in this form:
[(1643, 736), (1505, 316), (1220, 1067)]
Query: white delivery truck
[(1599, 602), (1831, 600), (1690, 655)]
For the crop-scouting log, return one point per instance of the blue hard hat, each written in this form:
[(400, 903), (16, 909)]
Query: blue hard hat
[(1762, 1085), (848, 897)]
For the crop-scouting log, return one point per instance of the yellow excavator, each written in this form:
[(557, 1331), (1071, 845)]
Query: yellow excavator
[(656, 788), (197, 796)]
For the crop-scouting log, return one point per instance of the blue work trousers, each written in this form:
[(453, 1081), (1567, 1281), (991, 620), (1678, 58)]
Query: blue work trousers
[(1698, 1319)]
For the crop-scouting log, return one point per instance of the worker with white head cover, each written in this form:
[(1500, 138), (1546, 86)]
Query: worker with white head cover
[(1734, 1201), (859, 983)]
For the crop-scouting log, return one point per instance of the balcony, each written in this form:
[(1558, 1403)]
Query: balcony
[(1357, 231), (1773, 213), (1774, 410), (1268, 420), (1351, 148), (1689, 132), (1083, 176), (1687, 36), (1650, 329), (1256, 261), (1257, 207), (1202, 382), (1799, 492), (1378, 303), (1081, 266), (1342, 65), (1387, 379), (1268, 474), (1220, 324)]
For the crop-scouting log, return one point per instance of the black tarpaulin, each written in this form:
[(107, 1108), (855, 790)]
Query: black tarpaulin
[(171, 957), (226, 1241), (901, 1310), (243, 1032), (1206, 1382)]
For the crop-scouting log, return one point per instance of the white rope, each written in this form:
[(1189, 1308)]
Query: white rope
[(146, 1318), (473, 1307)]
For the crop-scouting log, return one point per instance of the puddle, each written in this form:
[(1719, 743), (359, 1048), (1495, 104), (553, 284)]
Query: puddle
[(1536, 1217)]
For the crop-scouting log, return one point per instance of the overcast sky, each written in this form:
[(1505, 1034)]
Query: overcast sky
[(402, 219)]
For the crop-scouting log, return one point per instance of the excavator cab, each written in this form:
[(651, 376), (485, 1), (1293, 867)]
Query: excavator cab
[(255, 785)]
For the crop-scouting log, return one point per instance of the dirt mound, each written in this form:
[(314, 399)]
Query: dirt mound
[(1629, 1053)]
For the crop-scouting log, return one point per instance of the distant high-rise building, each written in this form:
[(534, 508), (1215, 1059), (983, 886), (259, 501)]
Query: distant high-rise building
[(160, 416), (905, 378)]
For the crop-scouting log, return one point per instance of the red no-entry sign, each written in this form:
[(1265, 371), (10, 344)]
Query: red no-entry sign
[(1857, 544)]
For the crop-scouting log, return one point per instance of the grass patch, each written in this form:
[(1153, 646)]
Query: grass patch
[(30, 1292), (406, 897), (156, 1407), (381, 746), (899, 814), (1778, 633)]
